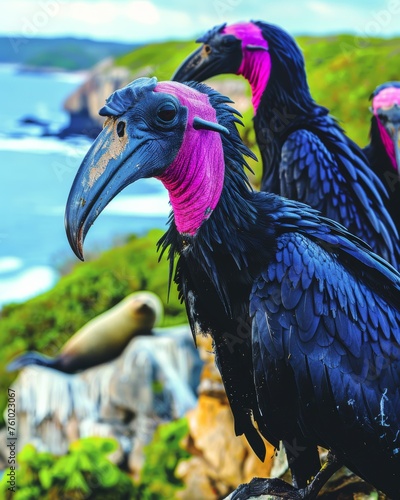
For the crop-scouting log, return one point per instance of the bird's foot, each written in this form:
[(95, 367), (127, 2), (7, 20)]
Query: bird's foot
[(276, 488)]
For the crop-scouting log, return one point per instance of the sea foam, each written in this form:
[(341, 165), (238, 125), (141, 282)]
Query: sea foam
[(26, 284)]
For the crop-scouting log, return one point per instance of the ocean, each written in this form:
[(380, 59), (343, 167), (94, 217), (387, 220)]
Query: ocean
[(36, 174)]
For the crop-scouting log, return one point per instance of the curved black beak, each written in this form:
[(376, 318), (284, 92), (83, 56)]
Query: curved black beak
[(208, 61), (110, 165), (195, 67)]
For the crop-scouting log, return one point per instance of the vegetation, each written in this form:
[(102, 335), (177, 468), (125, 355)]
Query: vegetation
[(160, 59), (158, 480), (84, 473), (344, 70)]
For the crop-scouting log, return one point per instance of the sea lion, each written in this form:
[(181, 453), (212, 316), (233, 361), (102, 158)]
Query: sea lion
[(103, 338)]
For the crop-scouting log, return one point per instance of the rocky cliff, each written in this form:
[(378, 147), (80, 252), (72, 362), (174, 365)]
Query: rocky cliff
[(83, 105)]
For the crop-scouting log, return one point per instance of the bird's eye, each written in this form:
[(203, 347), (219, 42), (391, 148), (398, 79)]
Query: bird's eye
[(207, 49), (121, 129), (167, 112)]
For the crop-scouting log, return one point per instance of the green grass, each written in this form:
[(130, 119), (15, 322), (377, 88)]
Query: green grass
[(157, 59), (344, 70), (84, 473)]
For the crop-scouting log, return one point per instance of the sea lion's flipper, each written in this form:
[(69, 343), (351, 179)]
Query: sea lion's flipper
[(31, 358)]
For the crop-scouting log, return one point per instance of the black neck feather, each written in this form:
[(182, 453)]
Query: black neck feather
[(288, 81), (286, 104), (230, 247)]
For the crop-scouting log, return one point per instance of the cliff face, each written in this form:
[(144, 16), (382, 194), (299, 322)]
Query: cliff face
[(84, 104)]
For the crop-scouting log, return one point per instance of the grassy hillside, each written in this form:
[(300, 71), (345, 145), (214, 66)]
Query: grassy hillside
[(156, 59), (342, 72)]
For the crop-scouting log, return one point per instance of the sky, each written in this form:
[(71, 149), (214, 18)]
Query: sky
[(154, 20)]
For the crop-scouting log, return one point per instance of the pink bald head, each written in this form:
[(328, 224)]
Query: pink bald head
[(249, 33), (384, 100), (195, 178), (256, 62)]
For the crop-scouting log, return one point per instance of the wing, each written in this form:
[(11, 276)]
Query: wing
[(340, 343), (337, 182)]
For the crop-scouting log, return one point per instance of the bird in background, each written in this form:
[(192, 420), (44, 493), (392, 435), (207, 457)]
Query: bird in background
[(306, 155), (383, 151), (305, 318)]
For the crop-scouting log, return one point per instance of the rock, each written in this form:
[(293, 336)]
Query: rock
[(48, 403), (32, 120), (83, 105), (3, 449), (199, 485), (143, 428)]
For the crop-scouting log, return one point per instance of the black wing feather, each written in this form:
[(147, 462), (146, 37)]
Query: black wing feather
[(340, 342), (338, 184)]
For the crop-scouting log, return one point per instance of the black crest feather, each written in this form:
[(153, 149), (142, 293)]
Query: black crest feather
[(123, 99)]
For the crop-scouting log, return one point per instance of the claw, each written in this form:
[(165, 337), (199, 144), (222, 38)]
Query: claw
[(277, 488)]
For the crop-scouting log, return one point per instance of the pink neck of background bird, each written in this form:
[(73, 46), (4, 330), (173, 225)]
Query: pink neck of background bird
[(256, 64), (195, 178), (388, 144), (386, 99)]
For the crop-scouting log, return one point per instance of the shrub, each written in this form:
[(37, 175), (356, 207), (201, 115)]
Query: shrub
[(84, 473), (163, 454)]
